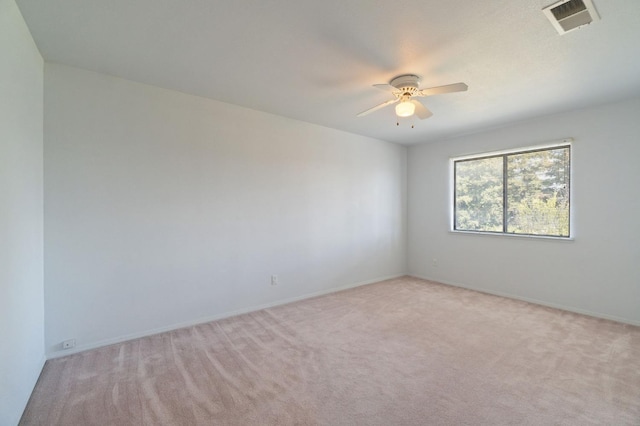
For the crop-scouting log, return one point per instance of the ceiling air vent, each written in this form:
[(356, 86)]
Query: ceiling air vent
[(568, 15)]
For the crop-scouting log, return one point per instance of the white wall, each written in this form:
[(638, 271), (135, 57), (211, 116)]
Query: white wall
[(598, 272), (164, 209), (21, 258)]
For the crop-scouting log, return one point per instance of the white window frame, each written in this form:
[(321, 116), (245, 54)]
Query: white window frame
[(550, 145)]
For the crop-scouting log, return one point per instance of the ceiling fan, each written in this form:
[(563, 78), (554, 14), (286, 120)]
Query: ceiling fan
[(404, 88)]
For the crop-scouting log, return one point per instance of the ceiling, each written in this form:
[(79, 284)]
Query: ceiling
[(315, 60)]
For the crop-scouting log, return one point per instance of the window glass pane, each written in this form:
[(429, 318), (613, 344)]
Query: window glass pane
[(478, 196), (538, 192)]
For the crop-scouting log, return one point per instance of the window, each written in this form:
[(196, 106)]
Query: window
[(524, 193)]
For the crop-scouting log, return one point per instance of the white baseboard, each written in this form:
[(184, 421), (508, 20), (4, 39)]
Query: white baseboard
[(120, 339), (535, 301), (33, 380)]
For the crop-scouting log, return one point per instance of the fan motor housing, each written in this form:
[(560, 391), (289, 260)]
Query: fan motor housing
[(407, 83)]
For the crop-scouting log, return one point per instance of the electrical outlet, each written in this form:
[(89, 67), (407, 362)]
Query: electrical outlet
[(68, 344), (274, 280), (434, 262)]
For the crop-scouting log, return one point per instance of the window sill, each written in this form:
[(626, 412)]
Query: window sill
[(501, 234)]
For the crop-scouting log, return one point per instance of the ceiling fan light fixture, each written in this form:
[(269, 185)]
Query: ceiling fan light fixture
[(405, 109), (404, 89)]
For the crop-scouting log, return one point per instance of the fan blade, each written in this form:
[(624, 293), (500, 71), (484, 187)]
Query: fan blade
[(438, 90), (421, 111), (385, 87), (377, 107)]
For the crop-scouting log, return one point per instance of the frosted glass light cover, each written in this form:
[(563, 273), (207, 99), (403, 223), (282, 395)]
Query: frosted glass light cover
[(405, 109)]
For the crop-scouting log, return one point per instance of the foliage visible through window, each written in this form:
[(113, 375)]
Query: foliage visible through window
[(516, 193)]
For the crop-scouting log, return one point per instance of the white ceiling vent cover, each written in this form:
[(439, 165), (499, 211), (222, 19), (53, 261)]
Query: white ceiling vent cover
[(568, 15)]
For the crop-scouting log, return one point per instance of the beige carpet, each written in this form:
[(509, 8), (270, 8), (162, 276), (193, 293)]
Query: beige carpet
[(399, 352)]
